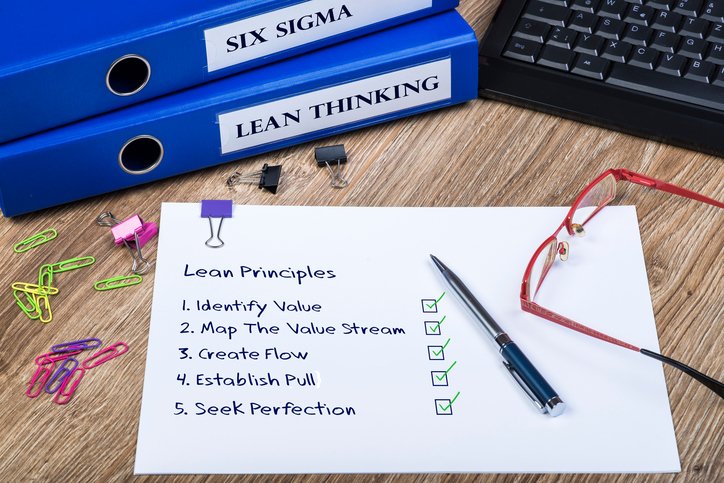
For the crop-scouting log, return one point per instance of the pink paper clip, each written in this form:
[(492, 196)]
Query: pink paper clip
[(40, 378), (70, 384), (58, 378), (127, 229), (56, 356), (105, 355)]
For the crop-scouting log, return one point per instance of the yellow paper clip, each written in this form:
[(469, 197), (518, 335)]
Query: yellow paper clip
[(117, 282), (45, 275), (72, 264), (36, 240), (43, 304), (34, 289), (29, 306)]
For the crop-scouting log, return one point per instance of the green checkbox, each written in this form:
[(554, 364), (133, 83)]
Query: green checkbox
[(437, 301), (439, 353), (444, 406)]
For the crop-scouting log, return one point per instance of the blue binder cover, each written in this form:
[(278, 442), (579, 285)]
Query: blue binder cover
[(409, 69), (61, 62)]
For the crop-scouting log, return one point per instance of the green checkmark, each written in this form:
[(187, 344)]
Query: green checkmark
[(439, 353), (437, 326), (429, 306), (444, 374), (449, 405)]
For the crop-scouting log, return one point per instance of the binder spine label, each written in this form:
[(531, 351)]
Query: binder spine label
[(336, 106), (300, 24)]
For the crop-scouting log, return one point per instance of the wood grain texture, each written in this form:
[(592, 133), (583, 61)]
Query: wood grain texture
[(480, 154)]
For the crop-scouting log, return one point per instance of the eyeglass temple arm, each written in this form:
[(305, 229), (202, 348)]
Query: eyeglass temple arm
[(709, 382), (536, 309), (660, 185)]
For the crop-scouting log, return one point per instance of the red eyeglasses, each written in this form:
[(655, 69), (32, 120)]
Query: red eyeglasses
[(593, 199)]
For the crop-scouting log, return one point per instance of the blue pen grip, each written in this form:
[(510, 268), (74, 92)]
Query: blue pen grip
[(525, 370)]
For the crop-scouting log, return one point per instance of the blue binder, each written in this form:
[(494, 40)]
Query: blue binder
[(61, 62), (412, 68)]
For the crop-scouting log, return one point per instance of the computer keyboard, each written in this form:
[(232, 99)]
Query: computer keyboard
[(653, 68)]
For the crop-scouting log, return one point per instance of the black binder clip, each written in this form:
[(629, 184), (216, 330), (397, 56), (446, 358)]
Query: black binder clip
[(333, 156), (268, 178)]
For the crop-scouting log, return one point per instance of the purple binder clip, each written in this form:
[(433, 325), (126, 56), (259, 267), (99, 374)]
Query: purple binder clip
[(216, 209)]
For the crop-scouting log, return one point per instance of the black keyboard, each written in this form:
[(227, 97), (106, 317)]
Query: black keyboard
[(649, 67)]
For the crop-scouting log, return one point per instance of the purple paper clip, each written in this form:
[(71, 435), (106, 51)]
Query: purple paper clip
[(58, 378), (76, 345), (216, 209)]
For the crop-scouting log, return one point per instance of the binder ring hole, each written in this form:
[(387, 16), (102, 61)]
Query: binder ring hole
[(128, 75), (140, 155)]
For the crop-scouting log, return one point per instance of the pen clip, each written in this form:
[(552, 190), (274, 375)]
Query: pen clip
[(526, 389)]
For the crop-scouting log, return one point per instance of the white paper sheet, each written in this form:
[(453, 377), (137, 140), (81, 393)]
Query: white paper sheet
[(370, 268)]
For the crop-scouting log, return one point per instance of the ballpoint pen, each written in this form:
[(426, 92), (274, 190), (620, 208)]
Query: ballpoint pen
[(522, 370)]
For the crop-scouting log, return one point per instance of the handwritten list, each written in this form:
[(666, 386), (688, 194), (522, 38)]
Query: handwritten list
[(322, 340)]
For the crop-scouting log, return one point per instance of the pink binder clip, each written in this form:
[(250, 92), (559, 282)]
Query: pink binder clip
[(150, 229), (132, 232), (127, 230)]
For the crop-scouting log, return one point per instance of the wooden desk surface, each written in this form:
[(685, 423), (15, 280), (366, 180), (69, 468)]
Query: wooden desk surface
[(480, 154)]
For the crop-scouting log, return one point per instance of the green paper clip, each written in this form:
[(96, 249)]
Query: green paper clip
[(43, 304), (117, 282), (34, 289), (29, 308), (35, 241), (45, 275), (72, 264)]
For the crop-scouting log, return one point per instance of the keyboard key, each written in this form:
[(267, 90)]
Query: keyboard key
[(716, 34), (556, 57), (562, 37), (719, 80), (716, 54), (665, 41), (694, 27), (522, 49), (693, 48), (613, 9), (532, 30), (714, 11), (589, 6), (640, 15), (667, 21), (562, 3), (672, 64), (661, 4), (550, 14), (610, 28), (689, 8), (589, 44), (644, 57), (657, 84), (700, 70), (590, 66), (583, 22), (637, 35), (616, 50)]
